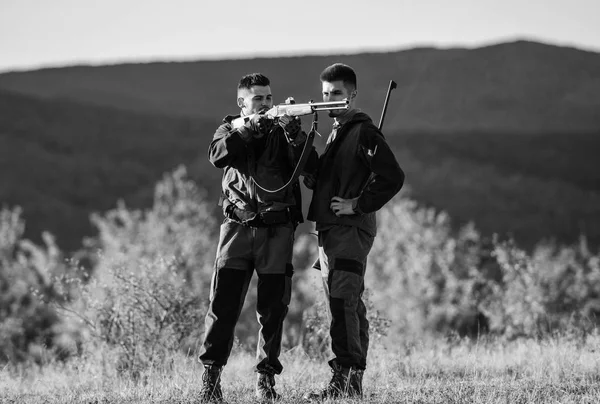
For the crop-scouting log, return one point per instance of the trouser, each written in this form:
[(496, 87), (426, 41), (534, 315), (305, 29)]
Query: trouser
[(343, 254), (241, 250)]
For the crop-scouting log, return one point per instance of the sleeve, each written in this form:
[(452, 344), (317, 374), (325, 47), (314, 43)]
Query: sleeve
[(312, 164), (387, 177), (295, 153), (226, 147)]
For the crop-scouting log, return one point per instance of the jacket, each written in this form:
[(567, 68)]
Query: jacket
[(268, 161), (357, 163)]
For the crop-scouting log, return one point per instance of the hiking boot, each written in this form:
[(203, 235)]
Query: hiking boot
[(355, 384), (265, 390), (211, 385), (345, 382)]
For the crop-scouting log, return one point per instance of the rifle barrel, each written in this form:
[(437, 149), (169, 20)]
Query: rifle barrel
[(328, 106), (385, 104)]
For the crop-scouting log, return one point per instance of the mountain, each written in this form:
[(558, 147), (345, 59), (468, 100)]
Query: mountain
[(519, 86), (505, 135), (62, 160)]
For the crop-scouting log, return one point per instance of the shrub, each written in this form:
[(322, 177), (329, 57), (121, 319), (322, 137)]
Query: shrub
[(553, 289), (145, 311), (431, 279), (179, 227), (146, 291), (31, 330)]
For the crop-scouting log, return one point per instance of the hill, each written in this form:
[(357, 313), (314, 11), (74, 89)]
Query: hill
[(75, 140), (519, 86), (531, 187), (60, 160)]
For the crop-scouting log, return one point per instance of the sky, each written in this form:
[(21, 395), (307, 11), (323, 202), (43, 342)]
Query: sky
[(44, 33)]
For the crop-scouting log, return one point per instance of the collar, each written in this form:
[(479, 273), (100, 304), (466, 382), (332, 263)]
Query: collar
[(342, 120)]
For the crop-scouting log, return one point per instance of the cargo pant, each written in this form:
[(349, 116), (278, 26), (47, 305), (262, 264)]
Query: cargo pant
[(343, 254), (241, 250)]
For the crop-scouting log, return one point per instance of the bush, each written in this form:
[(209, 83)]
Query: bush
[(551, 290), (179, 227), (31, 329), (145, 311), (431, 279), (146, 291)]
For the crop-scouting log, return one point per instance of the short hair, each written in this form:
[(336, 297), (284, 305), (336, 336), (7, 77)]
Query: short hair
[(253, 79), (339, 71)]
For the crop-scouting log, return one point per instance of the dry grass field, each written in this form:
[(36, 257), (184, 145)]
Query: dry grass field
[(555, 370)]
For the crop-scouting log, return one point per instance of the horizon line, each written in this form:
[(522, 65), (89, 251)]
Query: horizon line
[(291, 54)]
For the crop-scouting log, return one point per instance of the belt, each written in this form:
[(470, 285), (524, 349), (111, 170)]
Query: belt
[(271, 218), (268, 218)]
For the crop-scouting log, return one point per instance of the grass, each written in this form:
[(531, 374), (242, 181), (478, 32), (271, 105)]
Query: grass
[(553, 370)]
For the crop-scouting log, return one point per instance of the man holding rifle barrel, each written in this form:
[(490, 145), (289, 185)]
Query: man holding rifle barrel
[(357, 175), (262, 151)]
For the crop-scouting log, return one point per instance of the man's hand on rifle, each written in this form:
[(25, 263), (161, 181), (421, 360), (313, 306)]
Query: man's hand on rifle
[(260, 124), (341, 206), (256, 127), (292, 128)]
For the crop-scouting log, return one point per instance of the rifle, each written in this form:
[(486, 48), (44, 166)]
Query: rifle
[(293, 109), (385, 104), (290, 108)]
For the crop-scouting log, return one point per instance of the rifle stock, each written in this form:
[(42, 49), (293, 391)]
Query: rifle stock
[(294, 110)]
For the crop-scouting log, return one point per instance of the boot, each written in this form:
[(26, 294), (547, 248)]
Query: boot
[(355, 385), (339, 385), (211, 385), (265, 390)]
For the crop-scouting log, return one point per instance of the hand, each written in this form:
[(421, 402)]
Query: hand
[(260, 125), (291, 126), (310, 181), (341, 206)]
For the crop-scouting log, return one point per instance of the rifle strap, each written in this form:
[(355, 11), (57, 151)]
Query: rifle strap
[(301, 162)]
